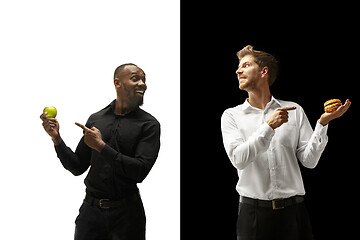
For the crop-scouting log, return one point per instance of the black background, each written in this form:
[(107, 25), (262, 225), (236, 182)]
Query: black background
[(317, 48)]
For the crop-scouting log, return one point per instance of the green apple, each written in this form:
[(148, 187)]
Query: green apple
[(51, 112)]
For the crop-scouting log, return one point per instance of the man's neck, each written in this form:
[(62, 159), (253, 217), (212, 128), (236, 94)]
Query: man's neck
[(121, 107), (259, 97)]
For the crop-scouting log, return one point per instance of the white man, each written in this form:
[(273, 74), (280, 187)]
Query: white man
[(265, 138)]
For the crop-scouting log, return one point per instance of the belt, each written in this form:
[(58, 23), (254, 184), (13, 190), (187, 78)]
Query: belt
[(274, 204), (107, 203)]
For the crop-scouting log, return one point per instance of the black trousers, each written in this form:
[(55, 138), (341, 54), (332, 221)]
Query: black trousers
[(118, 223), (289, 223)]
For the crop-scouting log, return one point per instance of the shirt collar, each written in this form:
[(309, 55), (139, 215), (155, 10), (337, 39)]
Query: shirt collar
[(247, 106), (276, 101)]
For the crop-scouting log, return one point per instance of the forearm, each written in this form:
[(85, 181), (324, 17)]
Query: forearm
[(57, 140), (135, 168), (324, 120), (310, 153), (70, 160), (242, 153)]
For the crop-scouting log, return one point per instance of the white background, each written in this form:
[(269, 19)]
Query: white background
[(63, 53)]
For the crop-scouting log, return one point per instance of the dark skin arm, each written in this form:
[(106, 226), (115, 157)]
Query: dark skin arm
[(52, 127), (92, 137)]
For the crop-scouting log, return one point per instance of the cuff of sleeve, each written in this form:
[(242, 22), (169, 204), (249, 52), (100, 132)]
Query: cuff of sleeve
[(108, 152), (61, 146), (267, 131), (320, 129)]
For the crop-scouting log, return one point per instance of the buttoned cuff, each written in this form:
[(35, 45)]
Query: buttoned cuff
[(108, 152), (266, 131), (320, 129), (61, 147)]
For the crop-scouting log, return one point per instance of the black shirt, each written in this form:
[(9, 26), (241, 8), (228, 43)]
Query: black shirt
[(132, 146)]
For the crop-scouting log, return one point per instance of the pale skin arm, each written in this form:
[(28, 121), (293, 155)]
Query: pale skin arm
[(327, 117), (281, 116)]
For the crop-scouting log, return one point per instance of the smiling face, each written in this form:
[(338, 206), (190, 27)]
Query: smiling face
[(130, 85), (249, 74)]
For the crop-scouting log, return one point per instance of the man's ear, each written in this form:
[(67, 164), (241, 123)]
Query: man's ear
[(117, 83), (265, 70)]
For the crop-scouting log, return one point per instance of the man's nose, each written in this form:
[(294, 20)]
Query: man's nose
[(142, 83), (239, 71)]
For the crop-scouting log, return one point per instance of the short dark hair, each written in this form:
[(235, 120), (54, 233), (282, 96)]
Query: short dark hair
[(263, 59), (121, 67)]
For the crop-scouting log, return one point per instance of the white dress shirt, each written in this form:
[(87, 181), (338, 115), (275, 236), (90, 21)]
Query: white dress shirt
[(267, 160)]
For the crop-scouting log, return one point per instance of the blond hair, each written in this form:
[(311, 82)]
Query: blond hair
[(263, 59)]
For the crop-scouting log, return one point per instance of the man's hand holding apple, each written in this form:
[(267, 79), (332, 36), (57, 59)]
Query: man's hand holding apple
[(51, 126)]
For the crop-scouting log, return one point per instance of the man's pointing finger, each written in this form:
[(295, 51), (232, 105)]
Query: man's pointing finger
[(288, 108), (82, 126)]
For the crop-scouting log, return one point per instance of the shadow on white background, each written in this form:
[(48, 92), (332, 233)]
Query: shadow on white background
[(64, 53)]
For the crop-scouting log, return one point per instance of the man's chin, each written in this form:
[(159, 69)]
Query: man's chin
[(245, 86), (242, 86), (140, 102)]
